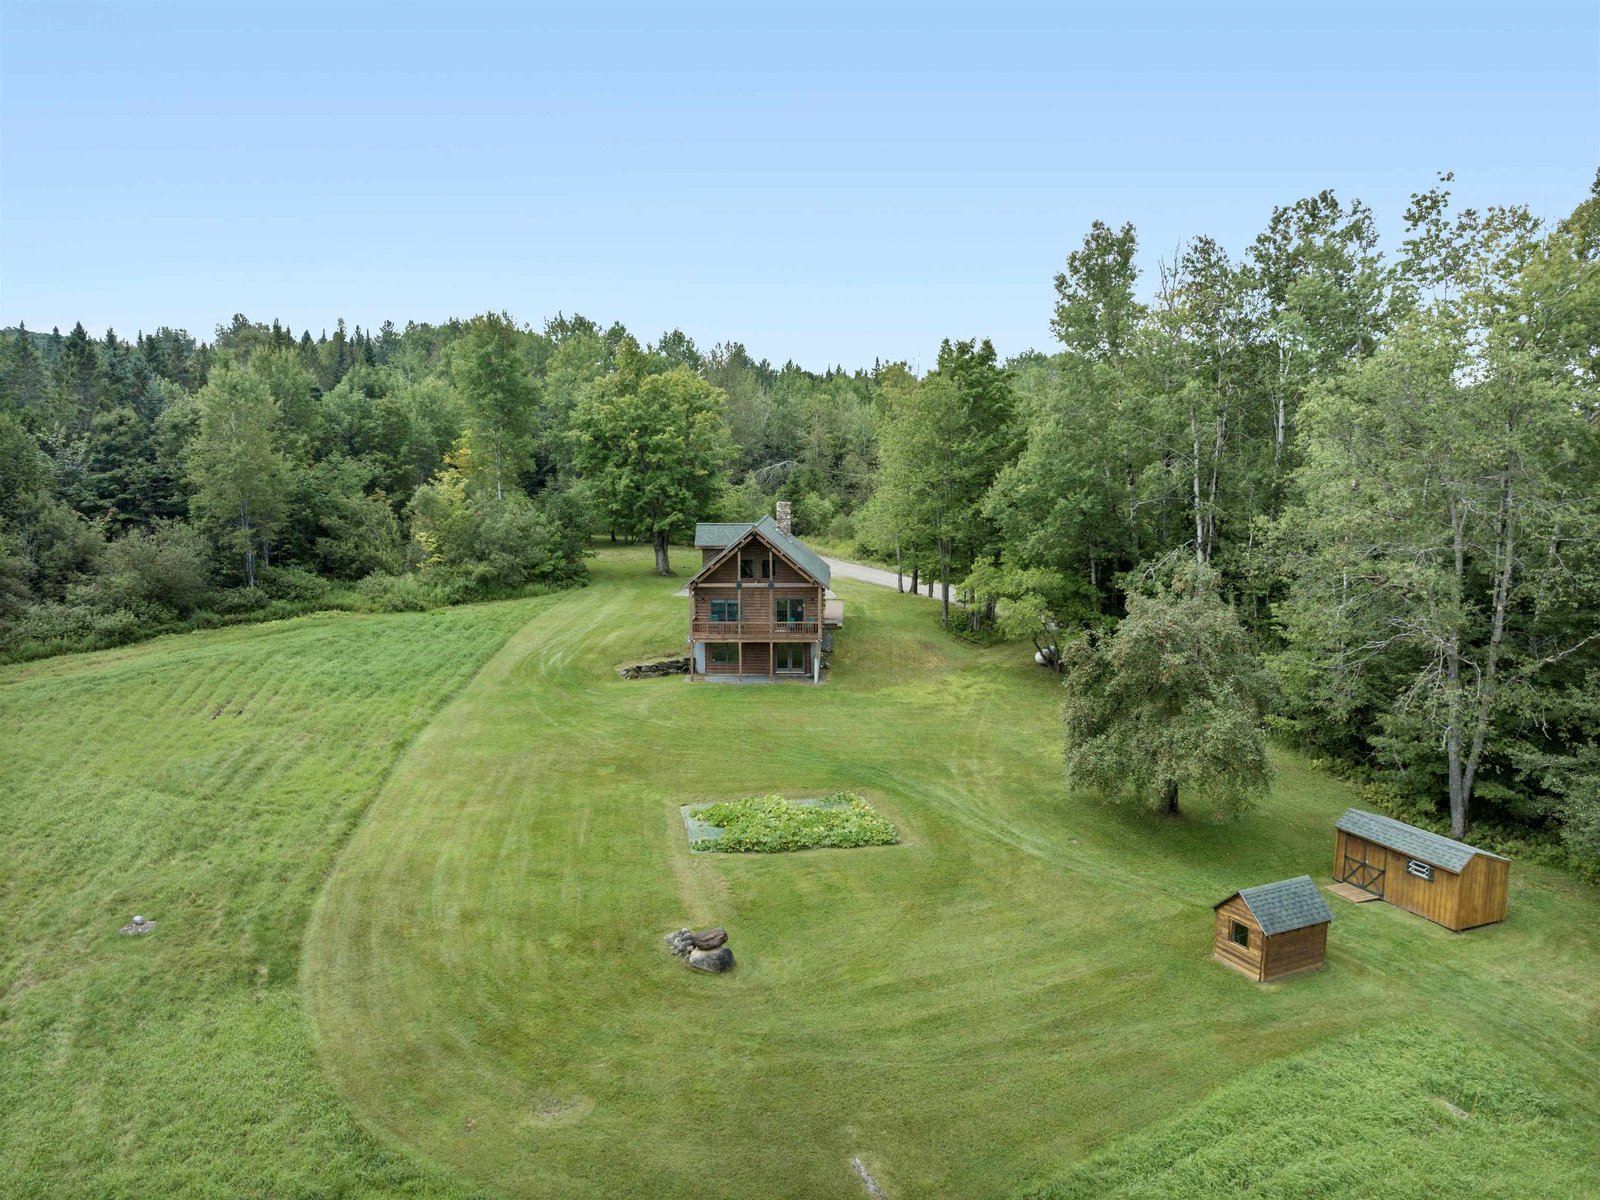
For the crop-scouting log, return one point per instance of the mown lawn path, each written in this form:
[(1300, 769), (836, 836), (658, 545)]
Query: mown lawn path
[(1024, 979)]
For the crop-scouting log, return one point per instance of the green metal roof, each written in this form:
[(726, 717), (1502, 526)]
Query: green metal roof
[(1405, 839), (714, 535), (718, 535), (1286, 905)]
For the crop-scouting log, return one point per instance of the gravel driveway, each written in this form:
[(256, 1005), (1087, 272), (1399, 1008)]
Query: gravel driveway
[(866, 574)]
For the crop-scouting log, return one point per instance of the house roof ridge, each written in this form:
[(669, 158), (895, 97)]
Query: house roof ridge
[(720, 535)]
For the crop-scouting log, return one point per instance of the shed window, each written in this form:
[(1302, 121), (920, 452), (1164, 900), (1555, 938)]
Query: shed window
[(725, 653), (1420, 869), (1239, 934), (724, 610)]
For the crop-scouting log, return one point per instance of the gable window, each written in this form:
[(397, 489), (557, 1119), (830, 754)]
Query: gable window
[(747, 568), (1239, 934), (1420, 869), (725, 654), (789, 611), (724, 610)]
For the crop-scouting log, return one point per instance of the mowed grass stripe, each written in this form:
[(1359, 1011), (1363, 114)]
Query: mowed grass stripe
[(1024, 979), (205, 781)]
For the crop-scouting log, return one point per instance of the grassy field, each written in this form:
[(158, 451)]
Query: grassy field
[(411, 875), (205, 781), (1024, 980)]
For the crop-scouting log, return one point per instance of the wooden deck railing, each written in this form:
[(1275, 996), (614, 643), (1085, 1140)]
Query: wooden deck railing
[(776, 630)]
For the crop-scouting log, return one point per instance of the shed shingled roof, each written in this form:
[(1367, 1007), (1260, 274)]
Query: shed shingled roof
[(718, 535), (1286, 905), (1405, 839)]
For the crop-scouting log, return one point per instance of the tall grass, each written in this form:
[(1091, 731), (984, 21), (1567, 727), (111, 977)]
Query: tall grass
[(205, 782)]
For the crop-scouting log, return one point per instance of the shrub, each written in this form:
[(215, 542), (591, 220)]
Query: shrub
[(235, 601), (293, 583), (54, 628), (169, 566), (771, 823), (397, 593), (496, 542)]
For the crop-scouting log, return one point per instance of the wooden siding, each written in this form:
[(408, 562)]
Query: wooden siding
[(757, 629), (757, 613), (716, 668), (1240, 958), (757, 658), (1483, 888), (1297, 950), (1361, 863), (1266, 958), (761, 658), (1477, 896), (753, 547)]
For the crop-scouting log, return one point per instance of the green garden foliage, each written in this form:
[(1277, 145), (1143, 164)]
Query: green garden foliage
[(766, 824)]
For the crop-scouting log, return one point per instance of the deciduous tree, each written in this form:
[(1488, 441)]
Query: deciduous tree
[(1172, 702)]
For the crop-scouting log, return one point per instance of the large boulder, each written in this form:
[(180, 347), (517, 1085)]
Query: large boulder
[(710, 939), (715, 961)]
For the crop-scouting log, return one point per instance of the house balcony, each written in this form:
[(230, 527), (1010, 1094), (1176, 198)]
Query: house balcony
[(756, 631)]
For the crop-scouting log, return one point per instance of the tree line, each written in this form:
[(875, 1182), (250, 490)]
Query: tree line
[(1381, 463), (166, 482), (1385, 465)]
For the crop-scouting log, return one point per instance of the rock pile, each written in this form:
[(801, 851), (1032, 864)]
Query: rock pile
[(137, 926), (705, 951), (650, 670)]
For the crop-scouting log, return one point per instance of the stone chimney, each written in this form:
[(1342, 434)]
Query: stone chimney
[(784, 517)]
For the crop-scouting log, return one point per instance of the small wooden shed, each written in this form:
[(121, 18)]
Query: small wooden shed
[(1273, 930), (1457, 885)]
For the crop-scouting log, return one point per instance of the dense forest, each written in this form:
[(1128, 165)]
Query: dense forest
[(1387, 460)]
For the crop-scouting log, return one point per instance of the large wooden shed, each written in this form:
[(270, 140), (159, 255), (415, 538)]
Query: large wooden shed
[(1273, 930), (1457, 885)]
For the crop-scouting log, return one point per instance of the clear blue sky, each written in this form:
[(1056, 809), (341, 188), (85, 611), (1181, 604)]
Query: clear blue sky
[(823, 183)]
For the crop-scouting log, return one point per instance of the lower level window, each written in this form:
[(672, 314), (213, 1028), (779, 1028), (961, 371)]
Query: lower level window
[(789, 656), (725, 653), (1239, 935)]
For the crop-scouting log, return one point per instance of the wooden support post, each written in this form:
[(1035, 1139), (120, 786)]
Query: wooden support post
[(741, 660)]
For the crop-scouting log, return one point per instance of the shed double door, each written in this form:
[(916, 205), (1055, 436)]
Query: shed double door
[(1364, 864)]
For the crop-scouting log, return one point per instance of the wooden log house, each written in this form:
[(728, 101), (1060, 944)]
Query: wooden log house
[(1273, 930), (759, 607), (1449, 882)]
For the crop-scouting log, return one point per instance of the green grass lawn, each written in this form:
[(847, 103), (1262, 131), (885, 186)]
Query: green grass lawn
[(411, 876), (1023, 980)]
